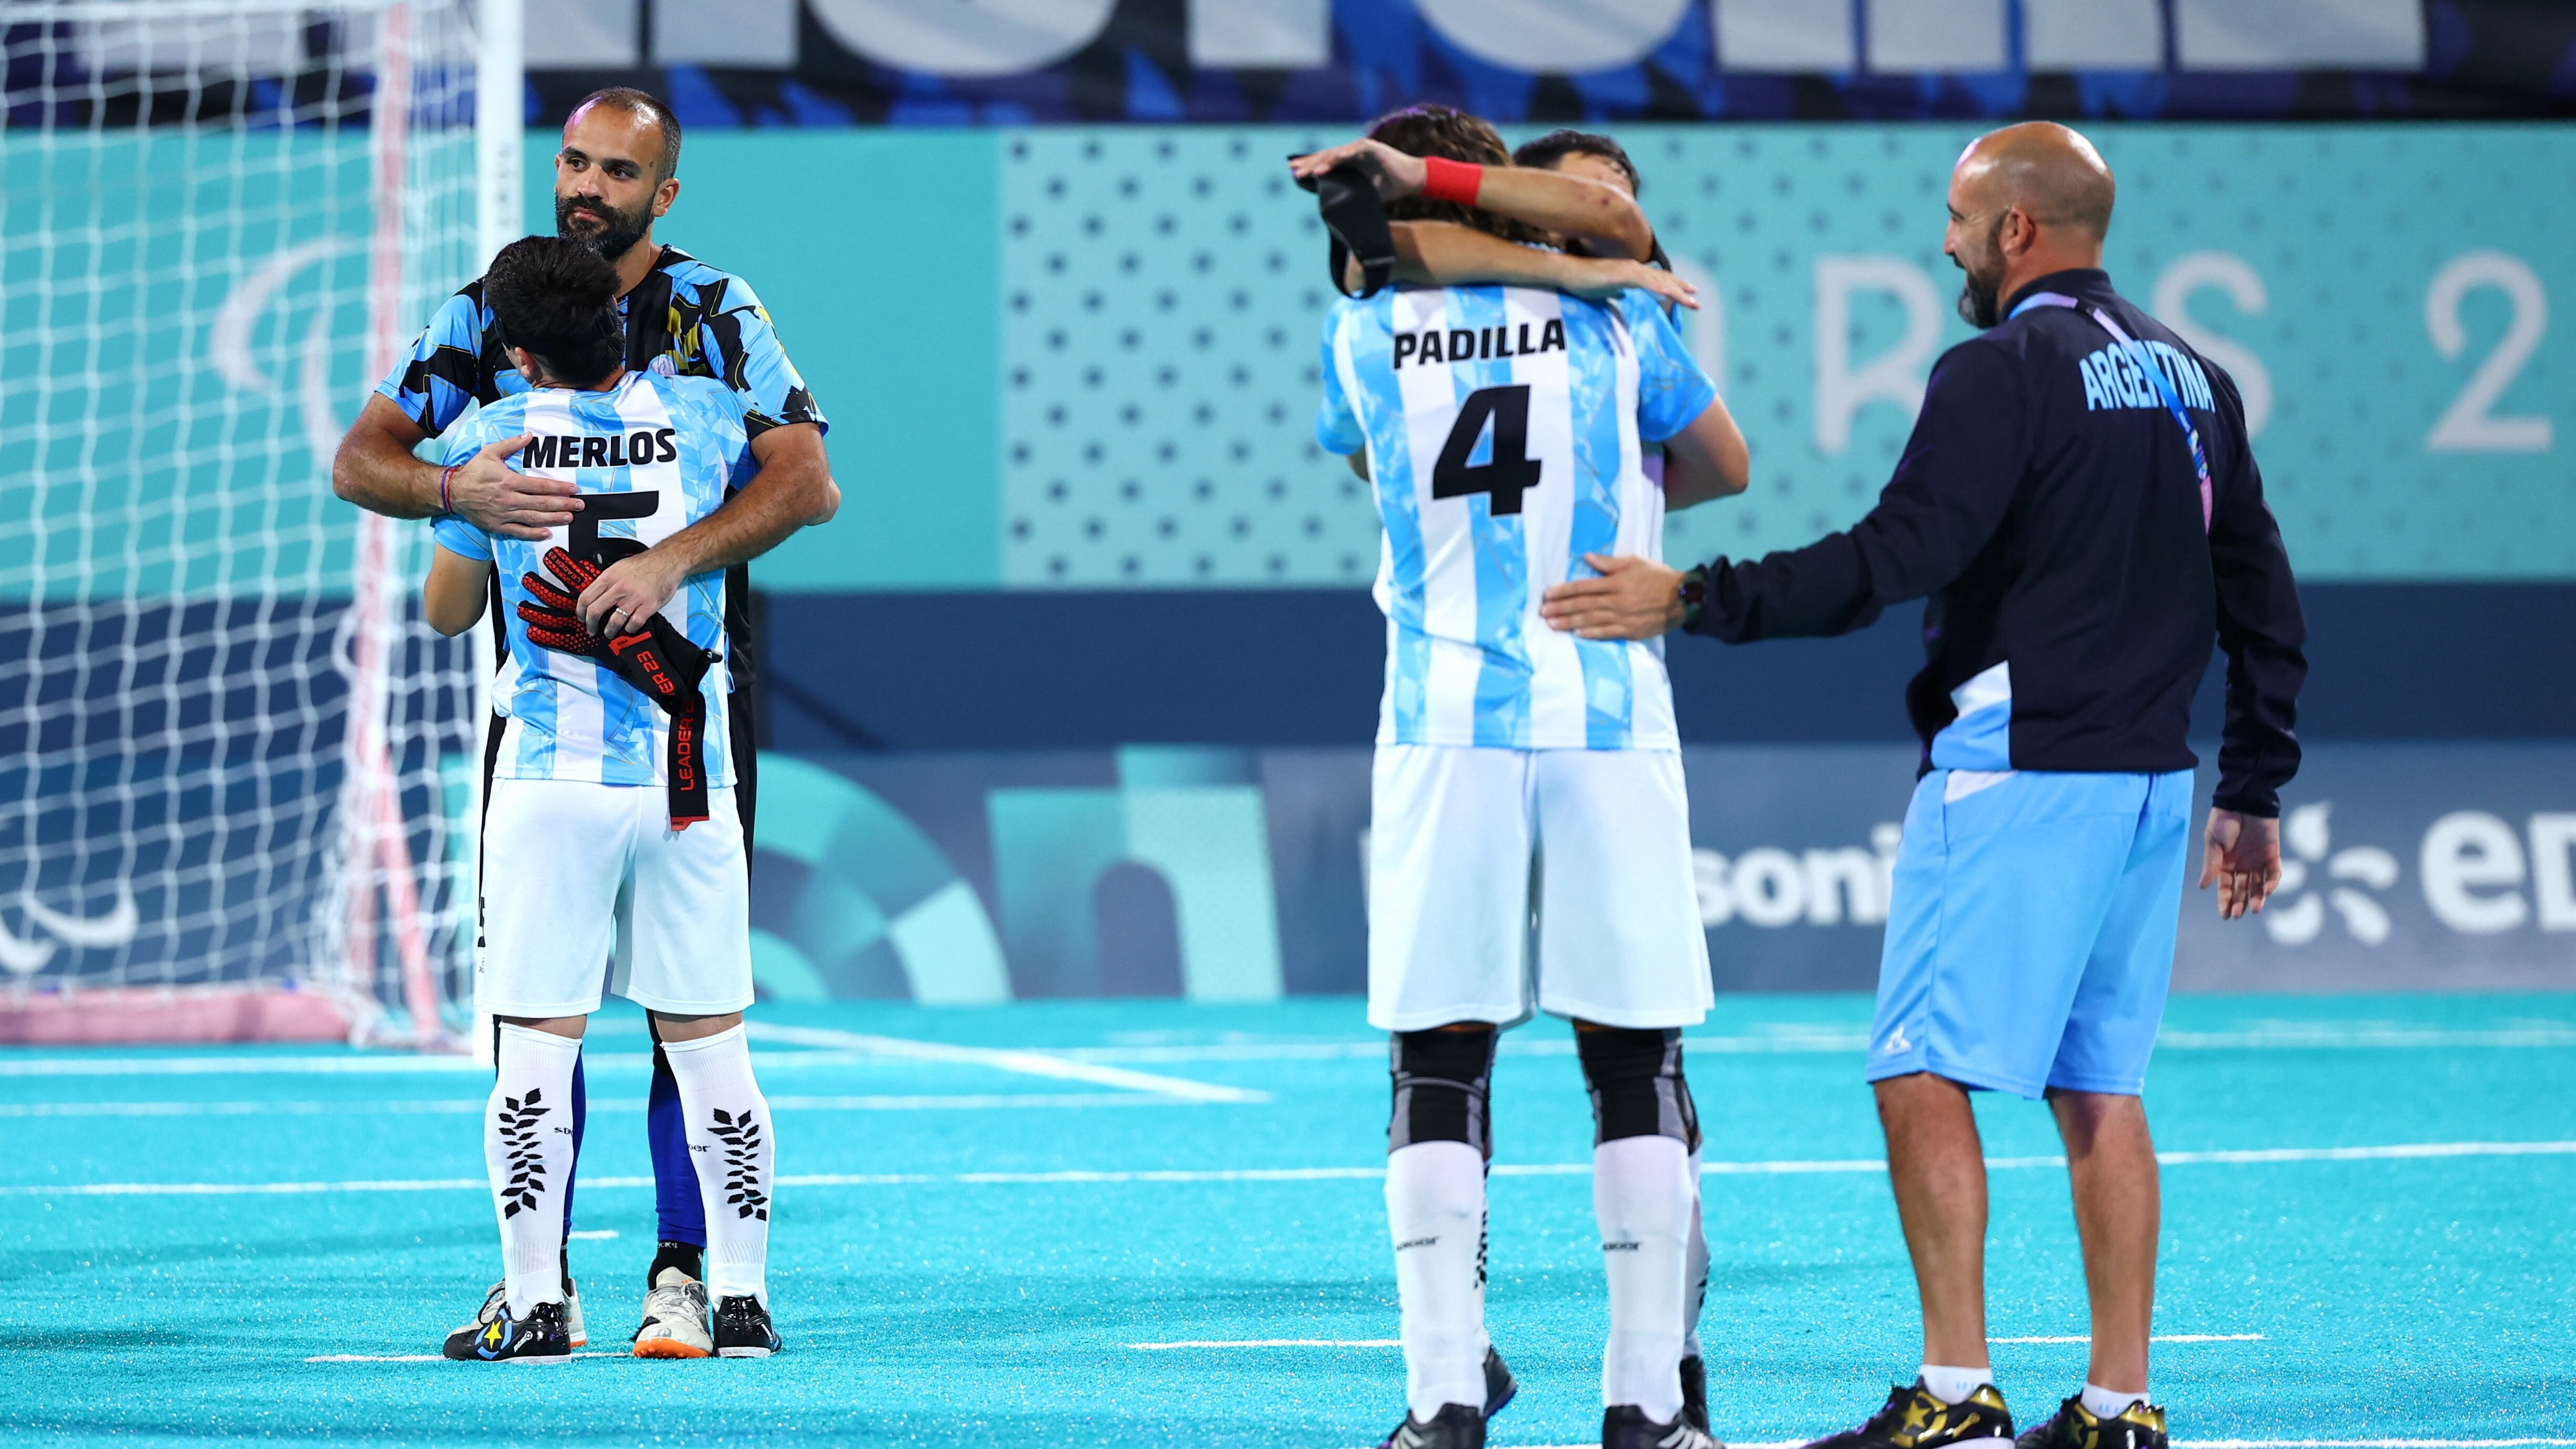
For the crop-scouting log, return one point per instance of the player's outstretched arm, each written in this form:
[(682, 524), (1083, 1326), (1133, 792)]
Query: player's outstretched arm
[(375, 470), (1445, 254), (792, 490), (452, 599), (1602, 216)]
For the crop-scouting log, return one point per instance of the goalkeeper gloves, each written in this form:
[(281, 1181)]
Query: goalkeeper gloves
[(653, 656)]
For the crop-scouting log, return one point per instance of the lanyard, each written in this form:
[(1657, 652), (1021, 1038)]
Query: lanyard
[(2146, 363)]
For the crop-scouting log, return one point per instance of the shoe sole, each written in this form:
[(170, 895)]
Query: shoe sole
[(743, 1352), (667, 1348)]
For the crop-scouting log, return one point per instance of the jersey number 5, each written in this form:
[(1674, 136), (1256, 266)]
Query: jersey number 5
[(1509, 470)]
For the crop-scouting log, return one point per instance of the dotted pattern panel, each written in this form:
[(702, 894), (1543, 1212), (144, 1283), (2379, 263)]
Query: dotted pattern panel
[(1164, 289)]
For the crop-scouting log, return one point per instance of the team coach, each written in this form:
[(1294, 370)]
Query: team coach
[(2079, 503)]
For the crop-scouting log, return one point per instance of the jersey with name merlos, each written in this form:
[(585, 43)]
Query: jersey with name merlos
[(1505, 430), (685, 319), (650, 456)]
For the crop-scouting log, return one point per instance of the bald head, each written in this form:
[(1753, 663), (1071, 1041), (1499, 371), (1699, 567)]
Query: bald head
[(2050, 172)]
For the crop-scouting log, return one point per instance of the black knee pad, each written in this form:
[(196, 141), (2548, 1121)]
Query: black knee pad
[(1441, 1081), (1637, 1085)]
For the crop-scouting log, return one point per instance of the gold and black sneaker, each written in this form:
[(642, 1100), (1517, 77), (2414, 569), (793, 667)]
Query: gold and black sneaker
[(2139, 1426), (1913, 1419)]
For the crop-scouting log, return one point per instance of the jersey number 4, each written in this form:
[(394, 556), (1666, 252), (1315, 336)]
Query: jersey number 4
[(1509, 470)]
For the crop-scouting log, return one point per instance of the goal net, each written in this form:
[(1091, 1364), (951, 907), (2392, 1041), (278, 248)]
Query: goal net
[(236, 769)]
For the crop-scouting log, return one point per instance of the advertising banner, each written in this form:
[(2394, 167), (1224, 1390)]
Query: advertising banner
[(1236, 875)]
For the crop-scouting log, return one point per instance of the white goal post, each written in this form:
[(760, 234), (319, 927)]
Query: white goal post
[(238, 774)]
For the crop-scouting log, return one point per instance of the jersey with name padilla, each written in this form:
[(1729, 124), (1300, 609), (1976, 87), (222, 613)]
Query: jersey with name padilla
[(1505, 430), (654, 454)]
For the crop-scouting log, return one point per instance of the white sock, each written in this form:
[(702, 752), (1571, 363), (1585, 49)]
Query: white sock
[(1694, 1270), (1435, 1212), (730, 1142), (2104, 1403), (527, 1147), (1954, 1385), (1641, 1193)]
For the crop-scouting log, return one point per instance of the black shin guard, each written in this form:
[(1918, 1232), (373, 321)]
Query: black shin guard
[(1441, 1081), (1637, 1086)]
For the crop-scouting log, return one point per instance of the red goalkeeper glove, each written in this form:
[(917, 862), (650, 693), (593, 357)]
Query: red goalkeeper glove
[(657, 659)]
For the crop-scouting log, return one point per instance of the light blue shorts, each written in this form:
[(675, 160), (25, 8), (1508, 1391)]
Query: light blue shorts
[(2030, 936)]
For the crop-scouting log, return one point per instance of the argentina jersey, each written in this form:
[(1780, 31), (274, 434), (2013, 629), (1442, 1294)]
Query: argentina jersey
[(1504, 428), (651, 456)]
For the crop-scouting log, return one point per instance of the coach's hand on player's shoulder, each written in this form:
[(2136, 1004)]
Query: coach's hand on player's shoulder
[(1634, 598), (1395, 173), (499, 499), (2243, 860), (631, 590), (1598, 279)]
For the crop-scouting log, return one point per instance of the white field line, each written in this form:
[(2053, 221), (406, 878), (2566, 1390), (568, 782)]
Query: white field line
[(461, 1106), (1826, 1040), (2159, 1338), (593, 1235), (1025, 1063), (1397, 1342), (390, 1064), (2409, 1151), (1273, 1343), (1069, 1062), (425, 1357)]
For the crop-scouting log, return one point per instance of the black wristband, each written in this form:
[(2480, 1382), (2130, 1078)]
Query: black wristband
[(1694, 594)]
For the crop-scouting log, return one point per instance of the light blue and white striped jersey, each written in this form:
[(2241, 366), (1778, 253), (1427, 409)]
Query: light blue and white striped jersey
[(1504, 430), (675, 441)]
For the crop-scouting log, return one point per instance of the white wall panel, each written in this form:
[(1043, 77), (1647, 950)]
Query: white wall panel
[(1936, 35), (2299, 34), (1785, 35), (2093, 34)]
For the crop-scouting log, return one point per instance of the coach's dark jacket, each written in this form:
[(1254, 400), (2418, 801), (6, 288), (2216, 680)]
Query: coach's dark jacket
[(2048, 505)]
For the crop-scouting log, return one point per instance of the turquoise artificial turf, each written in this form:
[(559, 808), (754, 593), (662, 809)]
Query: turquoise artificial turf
[(2424, 1297)]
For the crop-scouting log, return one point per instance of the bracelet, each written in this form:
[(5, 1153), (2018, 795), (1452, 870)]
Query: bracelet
[(445, 474), (1447, 180)]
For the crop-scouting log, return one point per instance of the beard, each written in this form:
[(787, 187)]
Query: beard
[(1981, 303), (1981, 299), (612, 234)]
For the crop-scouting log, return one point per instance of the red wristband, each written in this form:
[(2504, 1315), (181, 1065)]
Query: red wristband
[(444, 474), (1447, 180)]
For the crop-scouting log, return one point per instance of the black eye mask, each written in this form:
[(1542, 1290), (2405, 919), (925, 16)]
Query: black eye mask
[(1354, 214)]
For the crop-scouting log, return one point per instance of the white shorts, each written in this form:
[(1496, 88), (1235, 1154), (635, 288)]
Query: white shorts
[(1506, 882), (587, 888)]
